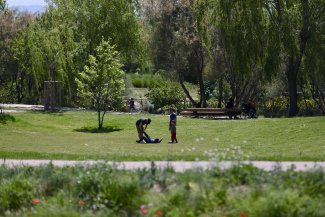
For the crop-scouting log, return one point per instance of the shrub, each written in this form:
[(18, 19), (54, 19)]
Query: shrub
[(166, 94), (102, 190), (145, 80), (15, 194)]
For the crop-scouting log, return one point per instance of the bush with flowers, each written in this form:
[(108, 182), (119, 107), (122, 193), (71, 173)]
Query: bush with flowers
[(279, 107), (102, 190)]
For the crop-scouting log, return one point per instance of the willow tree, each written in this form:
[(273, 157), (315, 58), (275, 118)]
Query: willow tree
[(115, 20), (175, 45), (45, 50), (102, 80), (275, 32), (11, 77)]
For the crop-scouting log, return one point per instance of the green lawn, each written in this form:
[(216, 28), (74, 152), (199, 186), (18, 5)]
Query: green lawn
[(73, 135)]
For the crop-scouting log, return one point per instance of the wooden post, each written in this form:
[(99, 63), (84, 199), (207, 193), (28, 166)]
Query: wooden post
[(60, 95), (44, 96), (51, 96)]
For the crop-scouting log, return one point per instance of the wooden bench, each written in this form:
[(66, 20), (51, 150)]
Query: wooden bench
[(196, 112)]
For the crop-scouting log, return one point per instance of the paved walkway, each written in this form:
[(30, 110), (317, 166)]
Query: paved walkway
[(23, 107), (179, 166)]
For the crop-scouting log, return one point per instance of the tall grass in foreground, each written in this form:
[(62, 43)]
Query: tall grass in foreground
[(101, 190)]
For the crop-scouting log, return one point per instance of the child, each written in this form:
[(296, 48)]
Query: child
[(173, 132), (148, 140)]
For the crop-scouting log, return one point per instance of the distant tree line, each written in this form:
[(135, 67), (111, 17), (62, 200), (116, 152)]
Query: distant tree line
[(250, 48)]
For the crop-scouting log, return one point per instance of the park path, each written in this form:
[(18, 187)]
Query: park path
[(23, 107), (179, 166)]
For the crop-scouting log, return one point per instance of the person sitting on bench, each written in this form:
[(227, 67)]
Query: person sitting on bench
[(147, 139), (248, 106), (230, 105)]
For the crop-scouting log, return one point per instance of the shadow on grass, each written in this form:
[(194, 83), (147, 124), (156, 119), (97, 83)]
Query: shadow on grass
[(6, 117), (49, 112), (107, 129)]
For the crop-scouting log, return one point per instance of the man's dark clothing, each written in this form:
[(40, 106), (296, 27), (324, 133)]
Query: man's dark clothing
[(141, 120), (172, 116), (230, 105)]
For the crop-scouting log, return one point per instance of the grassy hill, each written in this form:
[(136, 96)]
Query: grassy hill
[(74, 135)]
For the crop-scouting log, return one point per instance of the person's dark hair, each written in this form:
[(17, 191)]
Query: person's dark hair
[(171, 108), (156, 140), (231, 99), (149, 120)]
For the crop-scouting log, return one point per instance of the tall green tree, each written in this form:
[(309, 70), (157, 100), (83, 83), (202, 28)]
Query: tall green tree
[(115, 20), (102, 80), (46, 50), (175, 45), (270, 33), (11, 77)]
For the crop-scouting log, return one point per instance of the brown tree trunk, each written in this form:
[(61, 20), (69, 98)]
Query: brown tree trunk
[(53, 93), (100, 125), (292, 81), (196, 105), (200, 66), (220, 91)]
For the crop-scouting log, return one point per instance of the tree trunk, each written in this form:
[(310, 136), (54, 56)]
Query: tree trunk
[(53, 97), (294, 64), (292, 80), (200, 73), (47, 89), (196, 105), (100, 125), (220, 91)]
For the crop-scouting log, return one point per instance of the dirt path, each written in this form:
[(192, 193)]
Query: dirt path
[(179, 166)]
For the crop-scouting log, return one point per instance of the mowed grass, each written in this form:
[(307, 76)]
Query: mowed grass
[(74, 136)]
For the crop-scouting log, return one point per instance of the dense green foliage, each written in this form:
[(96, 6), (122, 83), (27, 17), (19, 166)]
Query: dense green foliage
[(102, 190), (166, 93), (269, 37), (145, 80), (56, 44)]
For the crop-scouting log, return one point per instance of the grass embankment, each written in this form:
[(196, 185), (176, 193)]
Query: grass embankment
[(73, 135)]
